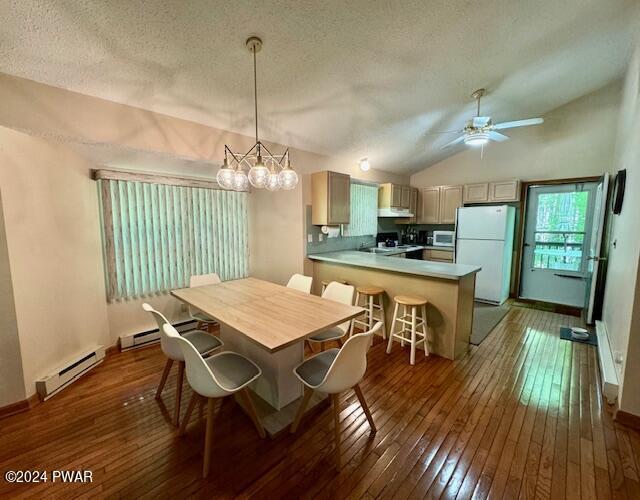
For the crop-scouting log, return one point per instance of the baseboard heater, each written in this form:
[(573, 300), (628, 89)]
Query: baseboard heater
[(149, 337), (68, 373), (608, 370)]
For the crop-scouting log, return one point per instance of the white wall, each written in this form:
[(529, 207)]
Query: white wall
[(53, 238), (621, 309), (11, 378), (575, 140)]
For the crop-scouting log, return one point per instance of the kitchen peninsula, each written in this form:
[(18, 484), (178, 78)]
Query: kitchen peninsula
[(449, 289)]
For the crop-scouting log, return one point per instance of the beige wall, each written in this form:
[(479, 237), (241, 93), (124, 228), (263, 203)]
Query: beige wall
[(49, 140), (575, 140), (621, 310), (11, 377), (53, 238)]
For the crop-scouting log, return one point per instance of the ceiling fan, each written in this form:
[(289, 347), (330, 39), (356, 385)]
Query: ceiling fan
[(480, 130)]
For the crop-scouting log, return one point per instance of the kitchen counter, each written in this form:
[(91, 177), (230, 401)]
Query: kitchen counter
[(448, 289), (382, 261)]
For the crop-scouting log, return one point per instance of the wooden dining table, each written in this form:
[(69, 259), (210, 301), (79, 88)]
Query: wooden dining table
[(268, 323)]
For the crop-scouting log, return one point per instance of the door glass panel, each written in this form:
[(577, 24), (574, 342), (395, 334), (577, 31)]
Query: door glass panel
[(560, 230)]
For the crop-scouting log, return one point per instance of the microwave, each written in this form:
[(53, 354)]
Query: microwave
[(443, 238)]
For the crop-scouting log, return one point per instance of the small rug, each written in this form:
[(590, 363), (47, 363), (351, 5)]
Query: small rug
[(565, 334), (485, 319)]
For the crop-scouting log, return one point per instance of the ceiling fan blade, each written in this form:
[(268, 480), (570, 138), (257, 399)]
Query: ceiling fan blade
[(445, 132), (497, 136), (454, 142), (481, 121), (518, 123)]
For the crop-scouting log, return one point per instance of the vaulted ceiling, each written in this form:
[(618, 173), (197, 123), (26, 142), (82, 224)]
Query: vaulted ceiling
[(350, 79)]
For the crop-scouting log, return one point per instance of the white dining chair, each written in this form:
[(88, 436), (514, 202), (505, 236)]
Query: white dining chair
[(203, 320), (203, 342), (339, 293), (334, 371), (217, 376), (300, 282)]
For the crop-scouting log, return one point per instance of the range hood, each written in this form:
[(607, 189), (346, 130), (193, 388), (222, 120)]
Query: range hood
[(394, 212)]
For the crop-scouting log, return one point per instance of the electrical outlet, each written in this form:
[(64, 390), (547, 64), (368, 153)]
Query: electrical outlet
[(309, 238)]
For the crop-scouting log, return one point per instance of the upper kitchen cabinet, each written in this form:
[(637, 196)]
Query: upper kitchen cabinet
[(476, 193), (330, 198), (492, 192), (414, 208), (393, 196), (430, 201), (439, 204), (504, 191), (450, 200)]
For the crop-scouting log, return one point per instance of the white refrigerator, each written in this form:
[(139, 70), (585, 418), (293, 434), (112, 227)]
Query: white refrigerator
[(484, 237)]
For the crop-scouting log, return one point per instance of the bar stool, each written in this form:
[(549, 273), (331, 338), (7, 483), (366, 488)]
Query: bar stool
[(370, 294), (414, 322)]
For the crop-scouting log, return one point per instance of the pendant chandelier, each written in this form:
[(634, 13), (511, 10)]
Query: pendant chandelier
[(265, 170)]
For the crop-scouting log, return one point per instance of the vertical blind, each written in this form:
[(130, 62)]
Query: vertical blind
[(157, 235), (363, 220)]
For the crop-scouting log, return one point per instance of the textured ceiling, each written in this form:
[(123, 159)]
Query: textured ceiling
[(351, 79)]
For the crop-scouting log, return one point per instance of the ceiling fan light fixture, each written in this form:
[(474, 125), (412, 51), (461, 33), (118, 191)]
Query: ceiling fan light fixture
[(476, 138)]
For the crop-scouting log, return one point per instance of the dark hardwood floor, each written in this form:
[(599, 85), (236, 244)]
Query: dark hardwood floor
[(521, 416)]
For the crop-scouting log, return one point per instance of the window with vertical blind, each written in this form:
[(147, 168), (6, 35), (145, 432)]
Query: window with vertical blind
[(157, 235), (363, 218)]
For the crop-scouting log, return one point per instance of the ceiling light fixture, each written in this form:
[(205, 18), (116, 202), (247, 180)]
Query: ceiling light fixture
[(476, 138), (265, 170), (364, 164)]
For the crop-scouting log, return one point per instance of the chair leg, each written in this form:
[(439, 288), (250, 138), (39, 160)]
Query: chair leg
[(208, 437), (303, 406), (176, 415), (353, 324), (382, 316), (365, 408), (393, 328), (185, 421), (163, 379), (244, 394), (413, 335), (424, 329), (336, 429), (370, 312)]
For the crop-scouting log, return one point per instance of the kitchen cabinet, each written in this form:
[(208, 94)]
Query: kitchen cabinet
[(430, 200), (406, 197), (439, 204), (450, 200), (492, 192), (394, 196), (330, 198), (413, 208), (504, 190), (438, 255), (476, 193)]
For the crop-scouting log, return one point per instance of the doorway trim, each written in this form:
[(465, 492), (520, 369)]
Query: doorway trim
[(524, 190)]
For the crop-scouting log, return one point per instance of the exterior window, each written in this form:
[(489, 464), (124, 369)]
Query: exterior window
[(560, 230), (156, 236)]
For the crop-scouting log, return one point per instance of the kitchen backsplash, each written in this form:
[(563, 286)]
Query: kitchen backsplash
[(385, 225), (332, 244)]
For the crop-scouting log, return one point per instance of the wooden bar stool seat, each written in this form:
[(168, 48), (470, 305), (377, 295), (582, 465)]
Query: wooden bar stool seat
[(374, 305), (409, 322)]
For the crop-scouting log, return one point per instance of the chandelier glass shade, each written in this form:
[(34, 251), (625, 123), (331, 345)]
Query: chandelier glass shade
[(264, 170)]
